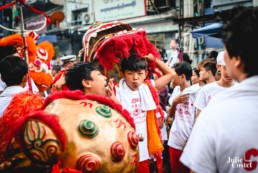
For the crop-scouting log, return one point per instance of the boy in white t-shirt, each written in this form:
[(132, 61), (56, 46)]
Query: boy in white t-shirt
[(136, 97), (13, 70), (183, 112), (208, 91)]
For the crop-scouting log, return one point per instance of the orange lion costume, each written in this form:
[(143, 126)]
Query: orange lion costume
[(39, 55)]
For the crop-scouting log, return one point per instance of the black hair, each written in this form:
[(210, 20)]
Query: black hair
[(7, 50), (133, 63), (80, 71), (240, 34), (163, 54), (57, 68), (183, 68), (196, 71), (13, 69), (176, 40), (209, 64), (187, 58), (213, 54)]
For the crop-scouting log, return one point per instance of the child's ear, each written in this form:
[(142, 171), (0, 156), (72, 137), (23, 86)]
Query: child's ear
[(24, 80), (121, 74), (183, 76), (86, 83), (238, 63), (209, 72)]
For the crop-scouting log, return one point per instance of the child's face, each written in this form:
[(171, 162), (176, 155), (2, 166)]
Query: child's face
[(177, 80), (134, 78), (194, 78), (204, 75), (224, 75)]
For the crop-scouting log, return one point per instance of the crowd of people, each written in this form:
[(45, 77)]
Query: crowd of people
[(206, 114)]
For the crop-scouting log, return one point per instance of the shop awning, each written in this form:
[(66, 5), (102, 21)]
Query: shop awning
[(50, 38), (213, 30)]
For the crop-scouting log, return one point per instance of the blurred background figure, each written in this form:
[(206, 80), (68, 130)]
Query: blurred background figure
[(186, 58), (68, 61), (59, 80), (195, 76), (164, 55), (213, 54), (176, 54)]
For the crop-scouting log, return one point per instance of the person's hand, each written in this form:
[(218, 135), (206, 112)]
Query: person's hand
[(160, 122), (59, 83), (149, 57), (111, 90), (181, 98)]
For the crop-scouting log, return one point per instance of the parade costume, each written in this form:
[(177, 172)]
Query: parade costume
[(97, 136), (108, 44), (7, 95), (39, 55), (21, 105)]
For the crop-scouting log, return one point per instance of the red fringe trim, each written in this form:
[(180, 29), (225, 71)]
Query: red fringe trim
[(42, 80), (112, 50), (20, 106), (50, 119), (58, 75), (56, 169), (79, 95)]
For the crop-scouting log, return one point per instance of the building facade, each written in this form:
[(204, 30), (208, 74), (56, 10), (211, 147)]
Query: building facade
[(162, 20)]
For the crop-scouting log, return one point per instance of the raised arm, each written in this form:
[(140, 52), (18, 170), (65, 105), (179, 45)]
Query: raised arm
[(167, 72)]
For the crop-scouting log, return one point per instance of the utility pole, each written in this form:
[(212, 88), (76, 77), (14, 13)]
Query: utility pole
[(181, 23)]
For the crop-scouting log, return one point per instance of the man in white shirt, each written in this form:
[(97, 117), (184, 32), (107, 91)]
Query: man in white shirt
[(13, 70), (224, 139)]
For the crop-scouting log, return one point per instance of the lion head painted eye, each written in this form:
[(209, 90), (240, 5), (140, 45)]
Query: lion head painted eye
[(42, 54)]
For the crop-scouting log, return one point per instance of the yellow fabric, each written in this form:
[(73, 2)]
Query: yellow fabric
[(154, 142)]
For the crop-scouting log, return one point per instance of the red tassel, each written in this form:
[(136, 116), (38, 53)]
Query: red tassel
[(159, 162), (70, 170)]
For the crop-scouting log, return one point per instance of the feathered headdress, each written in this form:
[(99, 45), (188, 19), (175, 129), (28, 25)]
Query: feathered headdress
[(109, 43), (98, 32)]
